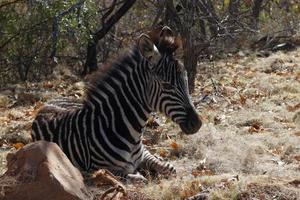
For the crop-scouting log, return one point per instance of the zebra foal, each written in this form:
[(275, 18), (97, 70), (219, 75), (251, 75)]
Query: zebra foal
[(105, 130)]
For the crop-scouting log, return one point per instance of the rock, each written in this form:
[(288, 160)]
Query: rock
[(40, 170)]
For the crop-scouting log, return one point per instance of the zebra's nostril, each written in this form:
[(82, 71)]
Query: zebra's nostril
[(193, 122)]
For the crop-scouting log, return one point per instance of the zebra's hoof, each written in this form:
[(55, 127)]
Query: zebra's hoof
[(169, 170), (136, 178)]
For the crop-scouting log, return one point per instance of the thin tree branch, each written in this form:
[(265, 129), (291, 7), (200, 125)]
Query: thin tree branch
[(110, 10), (91, 59), (161, 5), (55, 25), (22, 31), (9, 3), (114, 19)]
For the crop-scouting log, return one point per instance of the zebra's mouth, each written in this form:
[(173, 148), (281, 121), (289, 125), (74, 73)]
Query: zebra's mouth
[(189, 129), (192, 123)]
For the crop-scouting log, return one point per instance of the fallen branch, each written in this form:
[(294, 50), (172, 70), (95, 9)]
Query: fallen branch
[(104, 177), (199, 196)]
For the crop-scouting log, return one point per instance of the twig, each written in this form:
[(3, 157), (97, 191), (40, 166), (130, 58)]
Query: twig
[(199, 196), (9, 3), (103, 176), (107, 13), (114, 19), (55, 25), (21, 32), (216, 91)]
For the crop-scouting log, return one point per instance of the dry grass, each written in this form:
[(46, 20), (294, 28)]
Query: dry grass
[(248, 131), (250, 137)]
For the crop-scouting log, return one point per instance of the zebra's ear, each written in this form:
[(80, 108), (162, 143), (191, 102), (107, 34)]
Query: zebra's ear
[(148, 49), (166, 35), (178, 48)]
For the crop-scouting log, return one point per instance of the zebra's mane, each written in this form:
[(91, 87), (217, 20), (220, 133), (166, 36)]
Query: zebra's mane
[(104, 70)]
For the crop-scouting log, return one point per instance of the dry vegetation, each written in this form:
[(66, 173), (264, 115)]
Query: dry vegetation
[(248, 147)]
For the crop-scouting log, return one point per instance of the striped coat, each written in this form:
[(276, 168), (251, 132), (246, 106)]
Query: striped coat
[(105, 130)]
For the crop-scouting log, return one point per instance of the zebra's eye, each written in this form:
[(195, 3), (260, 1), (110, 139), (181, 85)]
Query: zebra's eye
[(167, 86)]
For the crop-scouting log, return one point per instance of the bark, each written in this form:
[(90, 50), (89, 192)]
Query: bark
[(233, 11), (91, 58), (190, 63), (233, 8), (256, 8), (202, 28), (190, 54), (207, 10)]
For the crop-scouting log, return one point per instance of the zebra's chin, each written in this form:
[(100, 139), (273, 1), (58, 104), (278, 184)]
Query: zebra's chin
[(189, 130), (192, 124)]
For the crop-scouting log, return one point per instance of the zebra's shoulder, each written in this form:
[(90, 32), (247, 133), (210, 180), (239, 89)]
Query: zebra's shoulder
[(67, 103), (59, 107)]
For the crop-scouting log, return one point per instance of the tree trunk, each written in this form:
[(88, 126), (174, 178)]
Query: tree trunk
[(91, 58), (190, 63), (233, 8), (255, 13), (233, 11), (208, 11), (184, 28)]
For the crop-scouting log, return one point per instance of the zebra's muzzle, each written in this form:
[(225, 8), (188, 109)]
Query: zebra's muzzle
[(193, 122)]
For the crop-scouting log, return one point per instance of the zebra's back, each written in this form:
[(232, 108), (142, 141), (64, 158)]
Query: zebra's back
[(55, 122)]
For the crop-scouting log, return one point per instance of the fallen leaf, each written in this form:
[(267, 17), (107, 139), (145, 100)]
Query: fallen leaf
[(18, 145), (174, 144), (242, 99), (295, 183), (297, 157), (28, 127), (297, 133), (36, 109), (277, 150), (298, 75), (234, 81), (204, 172), (48, 84), (253, 129), (190, 189), (163, 152), (146, 141), (293, 108)]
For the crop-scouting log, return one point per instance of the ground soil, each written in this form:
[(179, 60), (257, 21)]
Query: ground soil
[(248, 147)]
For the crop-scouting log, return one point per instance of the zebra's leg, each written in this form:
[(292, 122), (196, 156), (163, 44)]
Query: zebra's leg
[(156, 164), (129, 178)]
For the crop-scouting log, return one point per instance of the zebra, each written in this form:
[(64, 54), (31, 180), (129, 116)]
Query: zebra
[(105, 129)]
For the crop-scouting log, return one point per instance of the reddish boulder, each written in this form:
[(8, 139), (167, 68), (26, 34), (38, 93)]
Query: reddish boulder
[(41, 170)]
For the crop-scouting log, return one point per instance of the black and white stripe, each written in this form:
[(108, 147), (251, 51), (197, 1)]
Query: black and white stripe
[(105, 130)]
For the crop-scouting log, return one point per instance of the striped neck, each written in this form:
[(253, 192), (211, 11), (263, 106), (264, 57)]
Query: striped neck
[(121, 93)]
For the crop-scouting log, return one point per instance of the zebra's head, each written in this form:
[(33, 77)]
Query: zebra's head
[(170, 94)]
